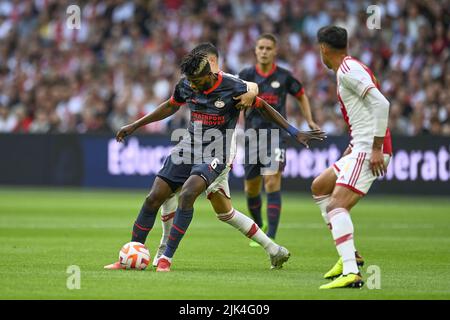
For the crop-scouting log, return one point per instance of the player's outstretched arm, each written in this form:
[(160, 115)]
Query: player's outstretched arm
[(273, 115), (164, 110)]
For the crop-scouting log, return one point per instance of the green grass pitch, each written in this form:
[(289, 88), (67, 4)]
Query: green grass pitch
[(43, 231)]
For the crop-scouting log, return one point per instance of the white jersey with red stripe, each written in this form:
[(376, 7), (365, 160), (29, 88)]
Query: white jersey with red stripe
[(354, 80)]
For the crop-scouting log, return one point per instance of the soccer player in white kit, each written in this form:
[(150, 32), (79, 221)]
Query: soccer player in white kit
[(338, 189)]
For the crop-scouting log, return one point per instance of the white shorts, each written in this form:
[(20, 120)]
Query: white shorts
[(219, 185), (353, 171)]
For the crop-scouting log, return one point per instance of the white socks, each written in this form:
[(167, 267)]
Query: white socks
[(168, 209), (166, 222), (342, 230), (249, 228)]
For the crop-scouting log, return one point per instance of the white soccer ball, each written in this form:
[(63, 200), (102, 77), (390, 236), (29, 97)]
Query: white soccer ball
[(134, 255)]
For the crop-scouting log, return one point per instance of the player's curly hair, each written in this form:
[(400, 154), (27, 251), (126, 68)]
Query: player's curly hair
[(195, 64)]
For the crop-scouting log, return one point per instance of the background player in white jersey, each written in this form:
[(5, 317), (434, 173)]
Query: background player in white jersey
[(339, 188)]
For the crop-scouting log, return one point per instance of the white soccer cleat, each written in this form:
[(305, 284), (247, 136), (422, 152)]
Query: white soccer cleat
[(277, 260), (159, 253)]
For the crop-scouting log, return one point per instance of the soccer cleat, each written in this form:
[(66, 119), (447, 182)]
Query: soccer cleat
[(335, 271), (114, 266), (338, 268), (350, 280), (279, 258), (163, 265), (159, 253), (255, 244)]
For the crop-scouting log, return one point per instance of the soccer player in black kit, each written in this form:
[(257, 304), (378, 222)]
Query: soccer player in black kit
[(202, 154), (274, 84)]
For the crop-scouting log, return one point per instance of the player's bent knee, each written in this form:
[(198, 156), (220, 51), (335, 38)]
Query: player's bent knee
[(251, 191), (187, 199), (220, 203), (272, 186), (253, 187), (272, 183), (153, 201), (316, 187), (324, 183), (322, 186)]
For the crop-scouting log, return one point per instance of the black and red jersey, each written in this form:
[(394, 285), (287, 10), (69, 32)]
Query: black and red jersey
[(273, 88), (215, 109)]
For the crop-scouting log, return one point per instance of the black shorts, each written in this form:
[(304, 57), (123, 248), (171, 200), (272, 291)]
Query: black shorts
[(176, 174), (256, 168)]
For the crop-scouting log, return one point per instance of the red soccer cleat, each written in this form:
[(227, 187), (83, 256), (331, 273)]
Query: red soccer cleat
[(163, 265), (114, 266)]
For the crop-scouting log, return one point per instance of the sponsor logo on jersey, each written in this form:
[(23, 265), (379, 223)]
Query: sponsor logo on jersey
[(275, 84), (208, 119), (219, 104), (270, 98)]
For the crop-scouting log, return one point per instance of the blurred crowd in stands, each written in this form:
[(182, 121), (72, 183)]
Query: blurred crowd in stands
[(123, 60)]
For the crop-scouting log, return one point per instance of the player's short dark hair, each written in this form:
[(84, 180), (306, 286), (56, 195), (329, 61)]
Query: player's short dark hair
[(195, 64), (208, 48), (334, 36), (268, 36)]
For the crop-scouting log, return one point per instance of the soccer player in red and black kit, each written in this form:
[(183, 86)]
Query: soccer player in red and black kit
[(203, 154), (274, 84)]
